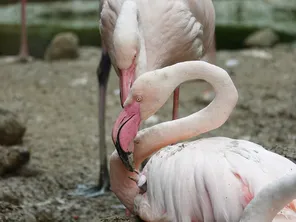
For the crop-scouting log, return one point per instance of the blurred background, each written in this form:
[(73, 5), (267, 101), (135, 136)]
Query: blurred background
[(235, 21)]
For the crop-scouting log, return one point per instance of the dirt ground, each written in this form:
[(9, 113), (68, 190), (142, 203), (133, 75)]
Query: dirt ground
[(58, 102)]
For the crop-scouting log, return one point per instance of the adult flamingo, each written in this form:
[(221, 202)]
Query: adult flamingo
[(139, 36), (210, 179)]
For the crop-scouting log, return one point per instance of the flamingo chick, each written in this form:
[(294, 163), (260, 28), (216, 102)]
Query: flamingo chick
[(139, 36), (210, 179)]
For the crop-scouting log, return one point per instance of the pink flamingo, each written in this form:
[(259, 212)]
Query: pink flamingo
[(139, 36), (211, 179)]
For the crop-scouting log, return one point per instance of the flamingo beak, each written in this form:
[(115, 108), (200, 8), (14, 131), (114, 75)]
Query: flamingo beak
[(124, 131), (127, 77)]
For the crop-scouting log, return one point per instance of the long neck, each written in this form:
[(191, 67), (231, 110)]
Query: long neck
[(126, 34), (142, 57), (270, 200), (127, 21), (211, 117)]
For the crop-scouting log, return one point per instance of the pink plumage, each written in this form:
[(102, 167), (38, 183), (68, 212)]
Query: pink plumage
[(211, 179)]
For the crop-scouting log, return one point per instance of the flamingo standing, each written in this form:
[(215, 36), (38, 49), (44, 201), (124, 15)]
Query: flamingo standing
[(24, 52), (139, 36), (211, 179)]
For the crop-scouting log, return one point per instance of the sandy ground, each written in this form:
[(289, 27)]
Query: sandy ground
[(58, 102)]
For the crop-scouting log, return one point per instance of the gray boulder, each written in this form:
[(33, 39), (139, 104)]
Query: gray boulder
[(262, 38), (63, 46)]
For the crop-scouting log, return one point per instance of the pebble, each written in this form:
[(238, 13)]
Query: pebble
[(262, 38)]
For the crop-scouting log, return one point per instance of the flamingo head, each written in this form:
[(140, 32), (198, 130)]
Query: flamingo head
[(127, 77), (124, 131), (126, 47), (126, 63), (143, 100)]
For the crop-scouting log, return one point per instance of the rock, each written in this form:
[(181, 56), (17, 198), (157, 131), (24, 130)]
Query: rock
[(12, 129), (262, 38), (63, 46), (13, 159)]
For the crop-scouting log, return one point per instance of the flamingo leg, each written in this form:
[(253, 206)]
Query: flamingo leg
[(212, 52), (103, 185), (23, 54), (176, 103)]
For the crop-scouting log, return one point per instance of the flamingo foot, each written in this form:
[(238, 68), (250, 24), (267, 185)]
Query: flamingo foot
[(24, 58), (102, 188), (90, 191), (17, 59)]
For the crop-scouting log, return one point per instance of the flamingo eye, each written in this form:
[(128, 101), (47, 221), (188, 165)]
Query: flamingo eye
[(139, 98)]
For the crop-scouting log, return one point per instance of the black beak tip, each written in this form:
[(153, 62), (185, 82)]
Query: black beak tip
[(121, 99), (126, 157)]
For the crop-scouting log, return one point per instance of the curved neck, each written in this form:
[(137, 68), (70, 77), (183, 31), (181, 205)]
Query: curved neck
[(150, 140), (270, 200)]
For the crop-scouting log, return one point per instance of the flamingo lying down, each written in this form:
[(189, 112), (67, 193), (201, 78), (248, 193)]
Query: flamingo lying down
[(206, 180)]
